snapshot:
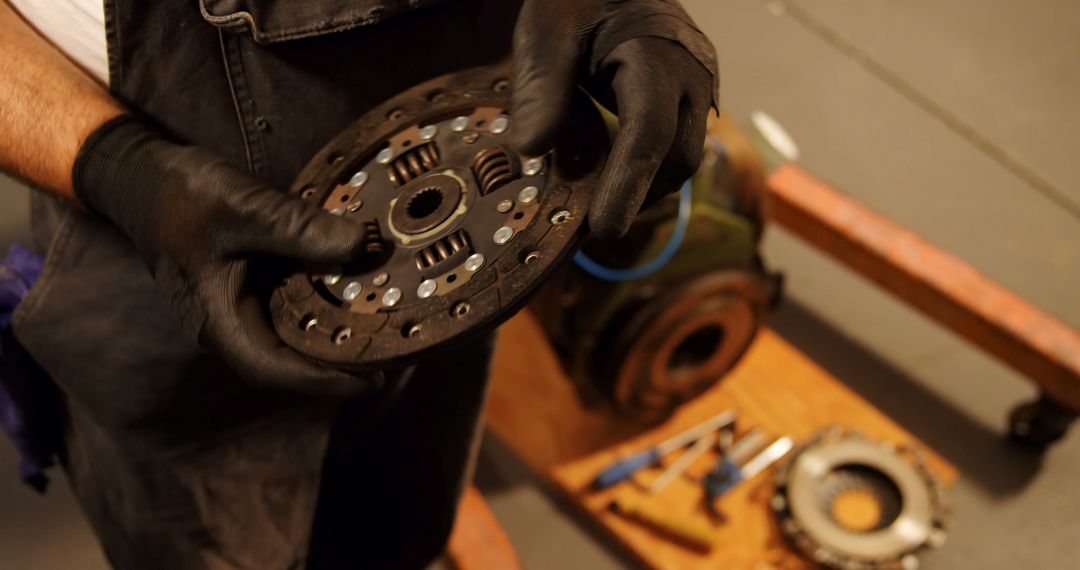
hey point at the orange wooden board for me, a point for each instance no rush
(478, 542)
(534, 410)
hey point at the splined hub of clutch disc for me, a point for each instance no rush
(857, 504)
(462, 229)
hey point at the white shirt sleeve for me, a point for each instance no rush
(76, 27)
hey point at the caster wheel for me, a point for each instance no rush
(1039, 423)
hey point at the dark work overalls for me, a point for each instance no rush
(176, 464)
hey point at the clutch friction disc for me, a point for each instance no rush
(462, 229)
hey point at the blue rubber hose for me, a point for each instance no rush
(686, 203)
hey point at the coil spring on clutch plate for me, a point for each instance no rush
(413, 164)
(374, 237)
(493, 169)
(442, 250)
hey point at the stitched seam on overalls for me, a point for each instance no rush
(236, 102)
(242, 103)
(112, 44)
(243, 19)
(240, 20)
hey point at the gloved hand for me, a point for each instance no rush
(203, 226)
(643, 59)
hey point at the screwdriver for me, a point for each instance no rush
(682, 463)
(624, 468)
(727, 473)
(683, 529)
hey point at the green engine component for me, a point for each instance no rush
(646, 346)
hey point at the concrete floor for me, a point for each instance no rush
(960, 120)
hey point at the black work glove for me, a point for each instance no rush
(203, 226)
(645, 60)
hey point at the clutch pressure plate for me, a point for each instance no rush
(854, 503)
(462, 229)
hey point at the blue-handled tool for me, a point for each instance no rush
(623, 469)
(730, 471)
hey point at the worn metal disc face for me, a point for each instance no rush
(853, 503)
(681, 343)
(462, 228)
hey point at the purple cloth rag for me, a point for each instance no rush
(29, 401)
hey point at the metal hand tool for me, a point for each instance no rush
(727, 474)
(624, 468)
(682, 463)
(683, 529)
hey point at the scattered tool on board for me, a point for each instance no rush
(740, 459)
(734, 468)
(679, 466)
(681, 529)
(625, 468)
(843, 500)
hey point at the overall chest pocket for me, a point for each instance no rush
(271, 21)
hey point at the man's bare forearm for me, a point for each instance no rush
(48, 107)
